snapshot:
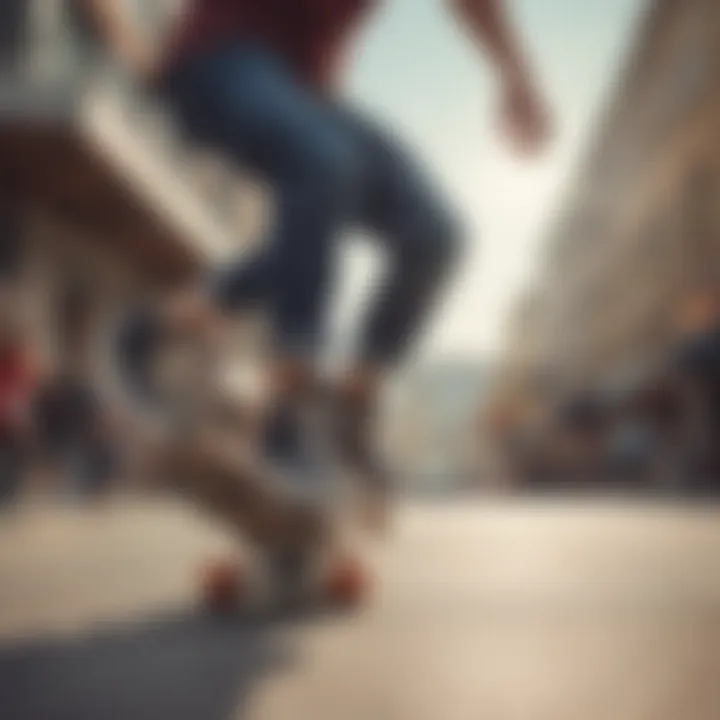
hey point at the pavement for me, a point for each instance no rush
(500, 610)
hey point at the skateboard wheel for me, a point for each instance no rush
(222, 585)
(346, 582)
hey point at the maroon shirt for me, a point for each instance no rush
(310, 34)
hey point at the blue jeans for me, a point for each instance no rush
(330, 169)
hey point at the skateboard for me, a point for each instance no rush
(298, 554)
(294, 540)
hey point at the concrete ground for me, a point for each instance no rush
(501, 611)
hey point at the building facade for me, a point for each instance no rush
(639, 236)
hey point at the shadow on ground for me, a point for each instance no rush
(184, 667)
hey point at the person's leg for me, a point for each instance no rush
(416, 227)
(246, 104)
(243, 102)
(420, 232)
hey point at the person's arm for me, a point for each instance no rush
(122, 37)
(488, 21)
(525, 115)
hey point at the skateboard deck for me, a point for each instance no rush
(236, 489)
(178, 426)
(298, 554)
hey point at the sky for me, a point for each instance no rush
(418, 72)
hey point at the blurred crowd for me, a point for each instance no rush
(659, 433)
(55, 434)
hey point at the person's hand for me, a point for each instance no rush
(525, 117)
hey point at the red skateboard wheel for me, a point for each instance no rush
(222, 585)
(346, 582)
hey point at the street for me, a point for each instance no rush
(501, 610)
